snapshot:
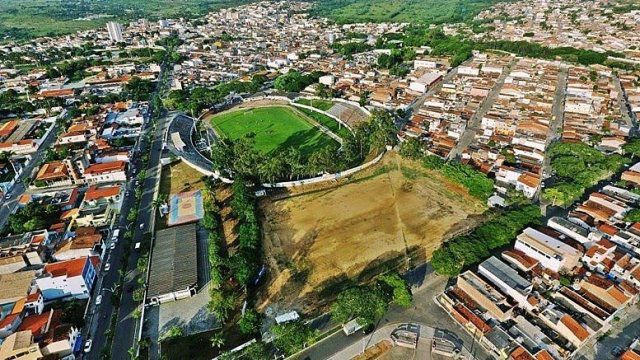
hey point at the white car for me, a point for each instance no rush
(113, 245)
(107, 267)
(141, 226)
(87, 345)
(98, 299)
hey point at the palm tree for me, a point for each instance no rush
(217, 339)
(6, 155)
(159, 201)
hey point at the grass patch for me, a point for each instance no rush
(273, 128)
(323, 105)
(327, 122)
(410, 173)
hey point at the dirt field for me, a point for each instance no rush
(177, 177)
(395, 214)
(180, 177)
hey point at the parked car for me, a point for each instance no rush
(107, 267)
(87, 346)
(99, 299)
(113, 245)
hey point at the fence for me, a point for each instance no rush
(287, 184)
(328, 177)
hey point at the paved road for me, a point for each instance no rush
(621, 335)
(426, 333)
(424, 311)
(469, 133)
(126, 324)
(9, 205)
(99, 316)
(622, 102)
(557, 117)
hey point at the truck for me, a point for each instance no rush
(351, 327)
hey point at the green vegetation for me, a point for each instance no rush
(473, 248)
(460, 49)
(633, 216)
(272, 128)
(534, 50)
(294, 81)
(350, 48)
(368, 303)
(578, 166)
(198, 99)
(292, 337)
(328, 122)
(320, 104)
(241, 158)
(414, 11)
(33, 216)
(138, 89)
(473, 180)
(24, 19)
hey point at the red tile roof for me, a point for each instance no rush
(578, 330)
(8, 127)
(105, 167)
(520, 353)
(36, 323)
(70, 268)
(95, 193)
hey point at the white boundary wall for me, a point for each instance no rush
(328, 177)
(315, 180)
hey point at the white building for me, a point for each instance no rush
(68, 279)
(115, 31)
(552, 253)
(507, 279)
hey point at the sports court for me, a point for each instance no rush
(185, 207)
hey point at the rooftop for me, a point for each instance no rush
(506, 274)
(174, 264)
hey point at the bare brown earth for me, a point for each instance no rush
(390, 216)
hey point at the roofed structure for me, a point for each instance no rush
(174, 266)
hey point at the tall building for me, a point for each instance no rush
(115, 31)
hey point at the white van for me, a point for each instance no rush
(116, 235)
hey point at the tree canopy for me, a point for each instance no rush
(473, 248)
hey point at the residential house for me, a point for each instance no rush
(68, 279)
(551, 252)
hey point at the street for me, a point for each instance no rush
(468, 136)
(424, 311)
(8, 205)
(126, 324)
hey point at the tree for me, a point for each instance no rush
(363, 303)
(217, 339)
(249, 322)
(400, 293)
(321, 91)
(632, 147)
(138, 89)
(292, 337)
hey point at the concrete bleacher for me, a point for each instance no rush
(349, 114)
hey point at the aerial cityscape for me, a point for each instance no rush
(320, 179)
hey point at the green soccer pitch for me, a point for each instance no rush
(274, 127)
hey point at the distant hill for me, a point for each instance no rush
(422, 11)
(24, 19)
